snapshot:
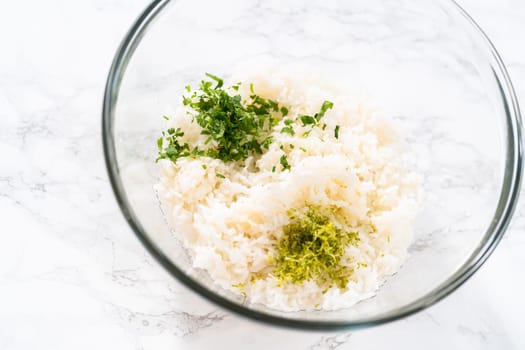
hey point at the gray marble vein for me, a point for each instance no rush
(330, 342)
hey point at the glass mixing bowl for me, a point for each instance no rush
(424, 62)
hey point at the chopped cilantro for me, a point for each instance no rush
(267, 142)
(220, 175)
(325, 107)
(238, 129)
(314, 120)
(288, 130)
(219, 81)
(336, 131)
(307, 120)
(284, 163)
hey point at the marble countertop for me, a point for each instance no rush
(72, 274)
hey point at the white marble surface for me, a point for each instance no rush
(72, 274)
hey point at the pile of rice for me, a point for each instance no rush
(230, 226)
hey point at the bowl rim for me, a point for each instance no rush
(506, 204)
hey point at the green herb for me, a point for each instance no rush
(238, 129)
(166, 117)
(204, 166)
(314, 120)
(273, 169)
(311, 248)
(284, 163)
(174, 148)
(302, 149)
(336, 131)
(267, 142)
(307, 120)
(220, 175)
(288, 130)
(219, 81)
(325, 107)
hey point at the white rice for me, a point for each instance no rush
(230, 226)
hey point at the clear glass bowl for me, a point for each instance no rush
(425, 62)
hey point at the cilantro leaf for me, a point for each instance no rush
(325, 107)
(288, 130)
(284, 163)
(307, 120)
(219, 81)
